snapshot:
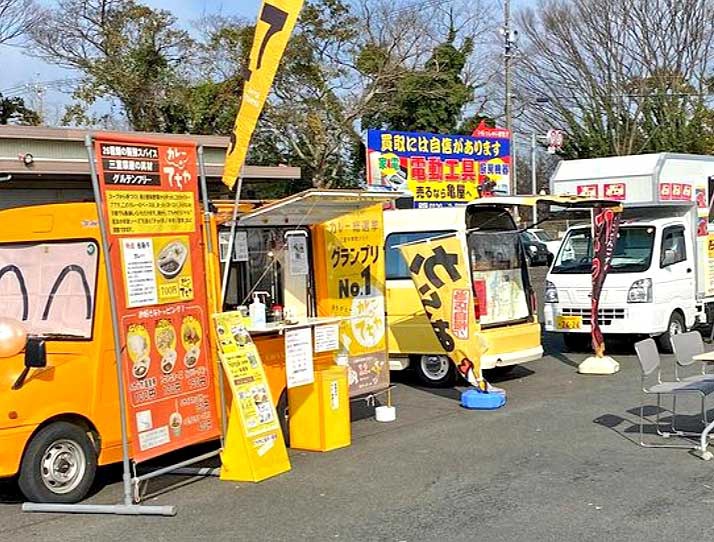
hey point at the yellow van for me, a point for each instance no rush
(507, 311)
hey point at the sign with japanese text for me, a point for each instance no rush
(149, 190)
(588, 190)
(616, 191)
(298, 357)
(440, 273)
(275, 24)
(438, 170)
(676, 192)
(254, 448)
(246, 376)
(351, 285)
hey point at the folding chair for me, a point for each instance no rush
(686, 346)
(648, 357)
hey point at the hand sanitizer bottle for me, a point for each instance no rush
(257, 312)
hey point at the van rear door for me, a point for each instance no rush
(498, 267)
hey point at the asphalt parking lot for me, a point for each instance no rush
(559, 462)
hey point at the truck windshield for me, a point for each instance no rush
(497, 271)
(633, 251)
(50, 287)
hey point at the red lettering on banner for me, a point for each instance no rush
(468, 169)
(460, 301)
(450, 170)
(434, 169)
(417, 166)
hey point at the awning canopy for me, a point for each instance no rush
(313, 207)
(570, 202)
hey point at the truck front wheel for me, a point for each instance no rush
(675, 326)
(59, 465)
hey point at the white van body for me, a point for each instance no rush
(661, 280)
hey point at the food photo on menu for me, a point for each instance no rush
(191, 339)
(139, 347)
(172, 259)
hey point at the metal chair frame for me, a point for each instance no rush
(648, 357)
(685, 347)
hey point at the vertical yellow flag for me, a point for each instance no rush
(275, 24)
(440, 274)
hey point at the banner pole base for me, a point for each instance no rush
(595, 365)
(115, 509)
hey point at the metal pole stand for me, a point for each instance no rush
(116, 509)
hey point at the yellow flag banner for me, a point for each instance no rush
(440, 273)
(275, 24)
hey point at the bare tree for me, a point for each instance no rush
(17, 17)
(617, 75)
(123, 49)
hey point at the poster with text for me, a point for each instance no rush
(246, 376)
(298, 357)
(439, 170)
(149, 189)
(353, 288)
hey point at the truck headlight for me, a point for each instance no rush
(551, 293)
(533, 248)
(640, 291)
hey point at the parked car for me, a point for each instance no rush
(536, 251)
(547, 239)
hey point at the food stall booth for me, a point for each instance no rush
(309, 271)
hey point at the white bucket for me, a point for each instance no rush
(385, 413)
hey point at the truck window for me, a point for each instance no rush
(673, 239)
(50, 287)
(396, 266)
(633, 251)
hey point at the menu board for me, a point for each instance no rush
(246, 376)
(149, 191)
(354, 290)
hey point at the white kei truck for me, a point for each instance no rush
(661, 279)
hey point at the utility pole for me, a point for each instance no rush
(509, 41)
(534, 186)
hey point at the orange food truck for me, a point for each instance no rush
(312, 259)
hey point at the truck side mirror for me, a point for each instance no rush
(35, 353)
(668, 257)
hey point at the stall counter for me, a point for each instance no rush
(270, 342)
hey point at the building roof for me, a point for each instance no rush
(59, 154)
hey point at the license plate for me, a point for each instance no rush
(569, 322)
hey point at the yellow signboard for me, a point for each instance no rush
(441, 276)
(133, 212)
(275, 24)
(255, 448)
(353, 288)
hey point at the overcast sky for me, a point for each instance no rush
(20, 73)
